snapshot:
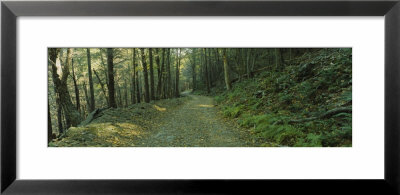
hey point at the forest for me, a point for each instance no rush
(199, 97)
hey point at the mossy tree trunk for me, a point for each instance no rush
(169, 79)
(206, 71)
(178, 63)
(151, 74)
(226, 71)
(49, 127)
(146, 77)
(133, 85)
(194, 69)
(110, 65)
(78, 103)
(72, 116)
(92, 100)
(160, 64)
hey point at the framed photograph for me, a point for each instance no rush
(200, 97)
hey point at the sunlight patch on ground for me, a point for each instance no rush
(160, 108)
(205, 105)
(102, 134)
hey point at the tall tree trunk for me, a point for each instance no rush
(194, 69)
(110, 65)
(160, 72)
(59, 116)
(133, 98)
(135, 76)
(126, 93)
(86, 97)
(105, 67)
(206, 71)
(92, 101)
(146, 77)
(78, 103)
(151, 74)
(226, 72)
(119, 96)
(49, 127)
(169, 85)
(71, 114)
(137, 87)
(178, 58)
(209, 68)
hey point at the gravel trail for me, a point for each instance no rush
(197, 123)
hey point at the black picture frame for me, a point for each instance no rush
(10, 10)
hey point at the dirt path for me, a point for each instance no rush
(196, 124)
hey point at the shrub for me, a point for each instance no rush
(232, 111)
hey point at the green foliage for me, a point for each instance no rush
(313, 84)
(233, 111)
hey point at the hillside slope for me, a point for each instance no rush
(307, 103)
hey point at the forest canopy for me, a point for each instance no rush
(200, 97)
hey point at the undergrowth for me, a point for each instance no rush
(307, 86)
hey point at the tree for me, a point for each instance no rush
(226, 71)
(72, 116)
(169, 80)
(133, 85)
(193, 63)
(151, 74)
(178, 59)
(146, 79)
(102, 87)
(161, 72)
(110, 65)
(136, 76)
(86, 96)
(49, 127)
(89, 61)
(78, 104)
(206, 71)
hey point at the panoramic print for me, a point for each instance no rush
(199, 97)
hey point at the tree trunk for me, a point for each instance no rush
(136, 76)
(226, 72)
(78, 103)
(209, 69)
(102, 87)
(194, 70)
(137, 87)
(151, 74)
(206, 71)
(146, 77)
(71, 114)
(119, 96)
(49, 127)
(168, 91)
(92, 101)
(325, 115)
(59, 116)
(110, 65)
(161, 73)
(86, 97)
(133, 98)
(126, 93)
(178, 58)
